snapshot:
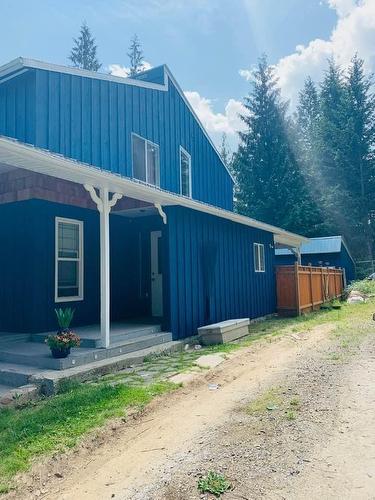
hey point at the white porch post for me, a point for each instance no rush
(104, 205)
(104, 270)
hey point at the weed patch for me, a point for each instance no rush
(214, 483)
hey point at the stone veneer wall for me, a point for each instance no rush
(20, 185)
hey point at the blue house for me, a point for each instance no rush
(114, 201)
(328, 251)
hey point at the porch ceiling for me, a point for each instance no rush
(16, 154)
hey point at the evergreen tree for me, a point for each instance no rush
(136, 56)
(360, 175)
(306, 130)
(225, 152)
(84, 53)
(345, 140)
(307, 119)
(270, 184)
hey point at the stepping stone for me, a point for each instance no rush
(209, 360)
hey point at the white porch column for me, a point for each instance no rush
(104, 270)
(104, 205)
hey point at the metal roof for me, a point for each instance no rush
(325, 244)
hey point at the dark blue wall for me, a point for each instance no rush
(27, 256)
(92, 121)
(211, 271)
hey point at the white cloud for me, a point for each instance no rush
(342, 7)
(123, 71)
(353, 32)
(217, 123)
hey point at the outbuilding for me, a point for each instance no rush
(327, 251)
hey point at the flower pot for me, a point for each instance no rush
(60, 353)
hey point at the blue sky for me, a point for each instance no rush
(204, 42)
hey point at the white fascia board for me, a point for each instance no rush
(21, 62)
(20, 155)
(185, 99)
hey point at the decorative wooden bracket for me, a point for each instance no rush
(162, 214)
(109, 203)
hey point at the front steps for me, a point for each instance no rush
(45, 381)
(37, 354)
(118, 337)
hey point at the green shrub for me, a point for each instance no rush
(364, 286)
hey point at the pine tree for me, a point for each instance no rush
(306, 129)
(225, 152)
(361, 170)
(136, 56)
(84, 53)
(270, 184)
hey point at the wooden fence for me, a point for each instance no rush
(302, 289)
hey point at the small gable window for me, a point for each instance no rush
(145, 160)
(259, 264)
(185, 169)
(69, 260)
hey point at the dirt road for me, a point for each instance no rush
(291, 418)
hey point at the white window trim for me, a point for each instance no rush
(153, 144)
(79, 223)
(257, 261)
(183, 150)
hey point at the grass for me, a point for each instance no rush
(268, 401)
(57, 423)
(214, 483)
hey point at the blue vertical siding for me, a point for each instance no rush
(235, 291)
(27, 254)
(92, 121)
(17, 108)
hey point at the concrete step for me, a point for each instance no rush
(10, 338)
(117, 337)
(4, 389)
(15, 375)
(38, 355)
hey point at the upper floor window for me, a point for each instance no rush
(69, 260)
(259, 264)
(185, 168)
(145, 160)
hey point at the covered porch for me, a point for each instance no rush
(114, 280)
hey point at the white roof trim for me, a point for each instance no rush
(20, 155)
(21, 62)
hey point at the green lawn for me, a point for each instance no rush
(57, 423)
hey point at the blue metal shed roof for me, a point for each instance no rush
(326, 244)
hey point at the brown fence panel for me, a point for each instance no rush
(302, 289)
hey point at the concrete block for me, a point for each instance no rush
(225, 331)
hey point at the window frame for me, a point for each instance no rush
(80, 260)
(258, 267)
(146, 141)
(183, 150)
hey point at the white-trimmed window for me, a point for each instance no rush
(146, 163)
(185, 172)
(259, 264)
(69, 260)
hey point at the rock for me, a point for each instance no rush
(356, 297)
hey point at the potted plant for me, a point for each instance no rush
(61, 343)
